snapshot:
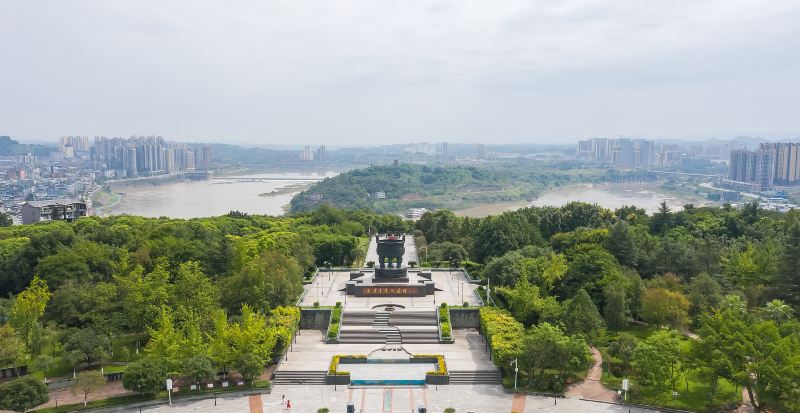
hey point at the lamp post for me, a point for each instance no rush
(488, 290)
(516, 371)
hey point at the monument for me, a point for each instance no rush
(389, 278)
(390, 259)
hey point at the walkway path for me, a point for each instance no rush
(373, 399)
(256, 405)
(592, 388)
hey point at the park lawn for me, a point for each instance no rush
(114, 369)
(695, 399)
(639, 331)
(127, 341)
(61, 368)
(522, 381)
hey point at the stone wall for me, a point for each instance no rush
(464, 318)
(315, 318)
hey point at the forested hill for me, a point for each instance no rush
(9, 146)
(445, 186)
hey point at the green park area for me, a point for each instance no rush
(694, 307)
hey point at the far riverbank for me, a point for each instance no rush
(612, 196)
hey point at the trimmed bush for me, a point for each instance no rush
(446, 331)
(505, 334)
(333, 331)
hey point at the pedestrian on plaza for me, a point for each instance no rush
(289, 404)
(283, 400)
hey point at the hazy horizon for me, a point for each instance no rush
(373, 73)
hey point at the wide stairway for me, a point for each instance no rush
(389, 327)
(299, 377)
(475, 377)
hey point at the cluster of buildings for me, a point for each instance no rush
(147, 156)
(623, 152)
(646, 153)
(27, 178)
(36, 188)
(309, 155)
(772, 164)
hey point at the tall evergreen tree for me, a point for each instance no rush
(582, 317)
(620, 243)
(661, 220)
(788, 279)
(615, 309)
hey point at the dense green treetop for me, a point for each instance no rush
(441, 186)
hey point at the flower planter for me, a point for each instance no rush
(337, 378)
(437, 379)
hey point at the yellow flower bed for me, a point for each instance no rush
(334, 366)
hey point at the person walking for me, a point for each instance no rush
(288, 404)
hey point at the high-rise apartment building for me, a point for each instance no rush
(78, 143)
(756, 167)
(307, 155)
(771, 164)
(206, 157)
(320, 155)
(622, 152)
(481, 151)
(786, 157)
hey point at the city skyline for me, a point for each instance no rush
(361, 73)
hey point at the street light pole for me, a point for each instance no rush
(516, 372)
(488, 290)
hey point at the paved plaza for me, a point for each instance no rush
(468, 352)
(327, 288)
(464, 398)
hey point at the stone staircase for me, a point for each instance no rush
(381, 319)
(299, 377)
(389, 327)
(475, 377)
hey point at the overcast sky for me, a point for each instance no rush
(356, 72)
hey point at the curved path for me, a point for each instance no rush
(592, 388)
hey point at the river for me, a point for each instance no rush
(608, 196)
(192, 199)
(612, 197)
